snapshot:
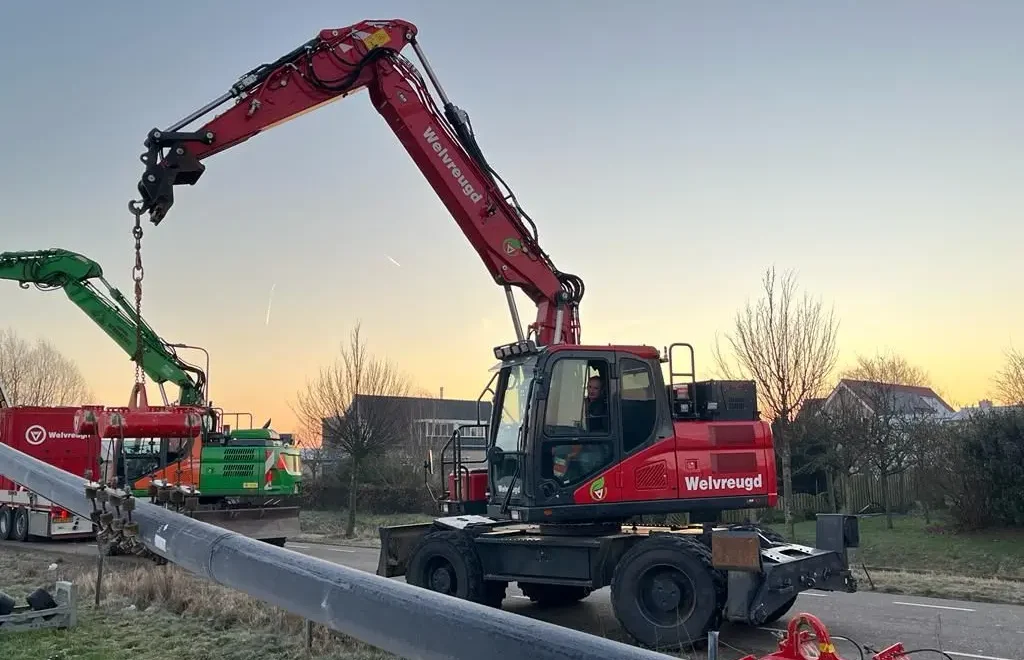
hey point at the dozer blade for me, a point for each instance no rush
(266, 524)
(396, 544)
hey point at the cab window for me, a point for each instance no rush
(639, 405)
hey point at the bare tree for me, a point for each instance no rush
(352, 406)
(1010, 379)
(786, 344)
(39, 374)
(895, 437)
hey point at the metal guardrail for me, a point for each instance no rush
(408, 621)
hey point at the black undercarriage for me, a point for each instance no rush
(669, 585)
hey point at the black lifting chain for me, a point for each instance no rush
(137, 274)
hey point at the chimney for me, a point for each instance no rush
(442, 392)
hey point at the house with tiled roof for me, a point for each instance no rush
(889, 399)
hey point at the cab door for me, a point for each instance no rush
(648, 453)
(577, 428)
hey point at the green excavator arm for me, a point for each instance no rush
(62, 269)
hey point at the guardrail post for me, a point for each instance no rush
(99, 572)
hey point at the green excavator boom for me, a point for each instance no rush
(111, 311)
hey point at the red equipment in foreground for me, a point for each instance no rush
(816, 644)
(582, 438)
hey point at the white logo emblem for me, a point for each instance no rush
(35, 435)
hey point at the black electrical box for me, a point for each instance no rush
(725, 400)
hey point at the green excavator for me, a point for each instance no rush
(248, 478)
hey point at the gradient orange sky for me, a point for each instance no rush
(669, 152)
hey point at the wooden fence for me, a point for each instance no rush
(861, 491)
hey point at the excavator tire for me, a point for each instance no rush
(446, 561)
(553, 595)
(666, 593)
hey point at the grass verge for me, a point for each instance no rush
(934, 547)
(932, 559)
(329, 526)
(154, 612)
(938, 585)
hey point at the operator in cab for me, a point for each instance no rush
(575, 462)
(597, 406)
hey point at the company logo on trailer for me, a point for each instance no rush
(35, 435)
(442, 152)
(724, 483)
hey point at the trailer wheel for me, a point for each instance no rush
(20, 526)
(446, 561)
(6, 519)
(553, 595)
(666, 593)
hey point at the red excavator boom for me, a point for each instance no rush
(335, 64)
(582, 439)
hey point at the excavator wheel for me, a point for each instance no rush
(446, 561)
(665, 592)
(553, 595)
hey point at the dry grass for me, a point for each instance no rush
(941, 585)
(330, 526)
(164, 609)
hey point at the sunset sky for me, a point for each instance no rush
(668, 151)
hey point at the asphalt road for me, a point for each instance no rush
(964, 630)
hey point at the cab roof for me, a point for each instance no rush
(639, 350)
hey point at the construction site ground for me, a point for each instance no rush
(964, 629)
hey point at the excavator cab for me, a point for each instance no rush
(563, 418)
(594, 434)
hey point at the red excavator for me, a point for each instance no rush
(583, 439)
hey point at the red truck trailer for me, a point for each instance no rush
(47, 434)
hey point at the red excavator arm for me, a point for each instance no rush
(333, 65)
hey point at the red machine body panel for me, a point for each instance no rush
(703, 460)
(49, 435)
(474, 485)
